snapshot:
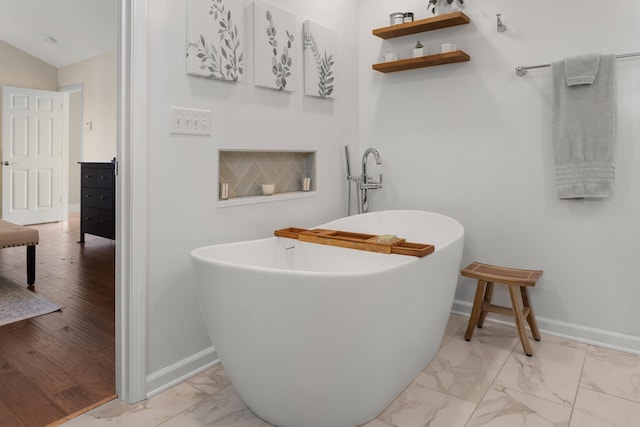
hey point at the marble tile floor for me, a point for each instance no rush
(485, 382)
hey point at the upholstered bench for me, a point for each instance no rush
(12, 235)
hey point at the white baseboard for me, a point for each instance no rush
(584, 334)
(74, 208)
(182, 370)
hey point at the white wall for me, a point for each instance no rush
(18, 68)
(183, 175)
(98, 78)
(472, 141)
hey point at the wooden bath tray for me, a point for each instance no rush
(363, 242)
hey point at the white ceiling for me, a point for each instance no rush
(83, 28)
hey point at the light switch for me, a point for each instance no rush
(190, 121)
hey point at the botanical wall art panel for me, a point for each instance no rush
(275, 47)
(214, 47)
(319, 60)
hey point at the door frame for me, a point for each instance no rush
(131, 201)
(66, 151)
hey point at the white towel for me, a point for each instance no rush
(584, 127)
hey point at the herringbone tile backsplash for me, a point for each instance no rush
(246, 171)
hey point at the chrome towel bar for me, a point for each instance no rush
(521, 70)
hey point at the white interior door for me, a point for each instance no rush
(31, 155)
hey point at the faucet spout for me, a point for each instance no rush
(366, 183)
(365, 157)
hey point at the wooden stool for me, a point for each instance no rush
(516, 279)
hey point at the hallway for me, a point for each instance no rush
(55, 365)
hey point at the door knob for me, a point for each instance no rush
(7, 163)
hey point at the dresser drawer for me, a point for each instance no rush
(97, 177)
(98, 221)
(97, 197)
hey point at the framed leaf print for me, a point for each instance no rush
(319, 60)
(275, 47)
(214, 48)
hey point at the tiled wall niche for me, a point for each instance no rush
(246, 171)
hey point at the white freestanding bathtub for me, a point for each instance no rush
(321, 336)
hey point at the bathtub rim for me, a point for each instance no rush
(403, 260)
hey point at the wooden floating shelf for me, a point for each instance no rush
(428, 24)
(359, 241)
(422, 61)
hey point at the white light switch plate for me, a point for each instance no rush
(189, 121)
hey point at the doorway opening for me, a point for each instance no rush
(62, 362)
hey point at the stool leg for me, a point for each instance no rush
(530, 318)
(488, 294)
(475, 311)
(519, 318)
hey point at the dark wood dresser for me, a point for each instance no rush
(98, 200)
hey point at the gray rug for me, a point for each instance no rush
(19, 303)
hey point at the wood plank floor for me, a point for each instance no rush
(55, 365)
